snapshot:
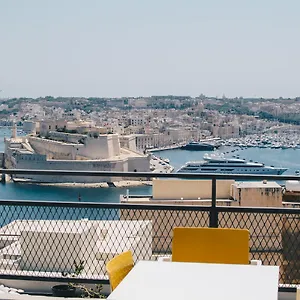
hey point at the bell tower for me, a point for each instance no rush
(14, 131)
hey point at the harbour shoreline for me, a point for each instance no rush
(117, 184)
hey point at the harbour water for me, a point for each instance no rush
(288, 158)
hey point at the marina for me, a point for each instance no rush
(288, 158)
(290, 140)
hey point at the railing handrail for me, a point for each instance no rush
(152, 206)
(147, 174)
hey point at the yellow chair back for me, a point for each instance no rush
(210, 245)
(119, 267)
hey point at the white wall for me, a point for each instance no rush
(115, 144)
(80, 165)
(55, 149)
(140, 164)
(96, 148)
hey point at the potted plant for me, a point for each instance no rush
(72, 289)
(68, 290)
(63, 290)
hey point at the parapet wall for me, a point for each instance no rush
(54, 149)
(174, 189)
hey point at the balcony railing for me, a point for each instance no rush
(40, 240)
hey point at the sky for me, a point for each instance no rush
(131, 48)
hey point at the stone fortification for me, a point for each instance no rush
(82, 153)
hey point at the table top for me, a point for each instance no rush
(173, 280)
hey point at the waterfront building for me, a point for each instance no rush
(198, 192)
(65, 151)
(178, 135)
(257, 194)
(147, 141)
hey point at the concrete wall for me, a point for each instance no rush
(54, 245)
(51, 247)
(257, 195)
(189, 189)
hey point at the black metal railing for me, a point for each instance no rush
(40, 240)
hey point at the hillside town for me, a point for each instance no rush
(157, 121)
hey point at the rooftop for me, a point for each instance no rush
(257, 184)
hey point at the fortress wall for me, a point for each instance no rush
(81, 165)
(66, 137)
(54, 149)
(138, 164)
(96, 148)
(115, 144)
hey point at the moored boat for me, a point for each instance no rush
(224, 165)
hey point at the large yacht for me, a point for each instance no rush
(229, 166)
(198, 146)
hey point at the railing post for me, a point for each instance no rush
(213, 217)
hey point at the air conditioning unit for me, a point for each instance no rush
(292, 185)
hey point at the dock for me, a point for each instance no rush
(171, 147)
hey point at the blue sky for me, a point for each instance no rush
(113, 48)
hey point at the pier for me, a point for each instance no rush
(171, 147)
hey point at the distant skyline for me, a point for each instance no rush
(117, 48)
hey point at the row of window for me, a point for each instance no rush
(222, 170)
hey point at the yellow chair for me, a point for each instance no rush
(210, 245)
(118, 268)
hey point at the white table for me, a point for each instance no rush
(171, 280)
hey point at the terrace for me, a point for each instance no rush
(39, 240)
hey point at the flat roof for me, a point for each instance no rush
(257, 184)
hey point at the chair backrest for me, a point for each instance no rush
(119, 267)
(210, 245)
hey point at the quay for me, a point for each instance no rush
(171, 147)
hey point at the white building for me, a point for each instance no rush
(54, 245)
(147, 141)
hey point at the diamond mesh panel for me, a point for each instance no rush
(47, 241)
(274, 239)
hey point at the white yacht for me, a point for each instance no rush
(224, 165)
